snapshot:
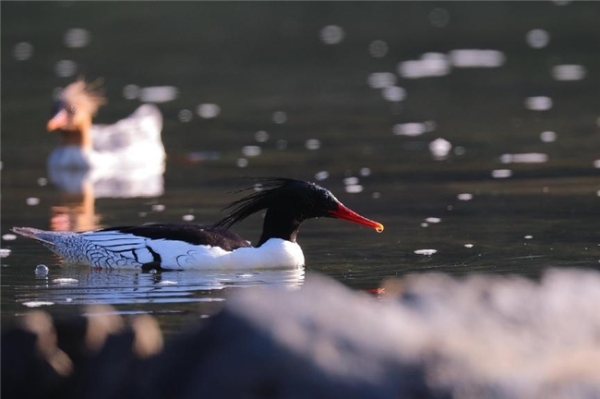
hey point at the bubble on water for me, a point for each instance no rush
(168, 282)
(439, 17)
(433, 220)
(548, 136)
(4, 252)
(142, 214)
(440, 148)
(185, 115)
(65, 68)
(354, 188)
(242, 163)
(465, 197)
(426, 252)
(528, 237)
(475, 58)
(597, 164)
(380, 80)
(158, 94)
(538, 103)
(42, 181)
(537, 38)
(322, 175)
(9, 237)
(32, 201)
(568, 72)
(261, 136)
(501, 173)
(532, 157)
(351, 180)
(430, 65)
(158, 207)
(423, 224)
(280, 117)
(23, 51)
(65, 280)
(41, 270)
(376, 195)
(153, 271)
(77, 38)
(313, 144)
(332, 34)
(365, 171)
(378, 48)
(393, 93)
(412, 129)
(131, 92)
(188, 217)
(251, 151)
(37, 304)
(468, 245)
(208, 110)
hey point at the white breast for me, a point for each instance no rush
(272, 254)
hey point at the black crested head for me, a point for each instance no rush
(288, 203)
(296, 199)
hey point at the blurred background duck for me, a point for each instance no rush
(131, 143)
(122, 160)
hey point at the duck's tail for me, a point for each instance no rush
(36, 234)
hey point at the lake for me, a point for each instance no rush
(470, 130)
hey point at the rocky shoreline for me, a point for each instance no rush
(426, 336)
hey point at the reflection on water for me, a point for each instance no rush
(79, 285)
(76, 211)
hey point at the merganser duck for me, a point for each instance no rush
(133, 142)
(287, 202)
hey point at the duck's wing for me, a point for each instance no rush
(189, 233)
(142, 128)
(168, 246)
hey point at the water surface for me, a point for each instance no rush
(351, 95)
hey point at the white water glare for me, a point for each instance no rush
(332, 34)
(537, 38)
(429, 65)
(77, 38)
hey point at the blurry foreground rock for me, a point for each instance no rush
(431, 336)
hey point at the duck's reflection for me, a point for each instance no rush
(83, 285)
(80, 189)
(76, 211)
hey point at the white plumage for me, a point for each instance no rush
(114, 249)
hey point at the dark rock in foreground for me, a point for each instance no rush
(431, 336)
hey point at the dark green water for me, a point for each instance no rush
(256, 60)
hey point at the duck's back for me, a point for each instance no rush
(142, 127)
(131, 143)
